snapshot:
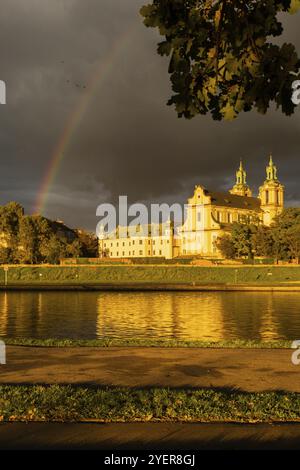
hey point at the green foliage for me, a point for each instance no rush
(10, 216)
(222, 60)
(34, 239)
(89, 244)
(281, 240)
(286, 234)
(28, 239)
(242, 236)
(262, 241)
(226, 246)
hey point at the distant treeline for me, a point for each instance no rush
(280, 241)
(34, 239)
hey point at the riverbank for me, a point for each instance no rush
(151, 277)
(147, 343)
(143, 287)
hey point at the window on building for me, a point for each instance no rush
(141, 242)
(161, 242)
(154, 252)
(267, 197)
(149, 252)
(133, 253)
(117, 253)
(141, 252)
(123, 253)
(199, 216)
(160, 252)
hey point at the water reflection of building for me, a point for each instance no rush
(3, 313)
(251, 315)
(160, 315)
(182, 315)
(269, 326)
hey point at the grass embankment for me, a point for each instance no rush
(66, 403)
(152, 343)
(150, 274)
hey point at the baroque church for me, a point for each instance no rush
(209, 215)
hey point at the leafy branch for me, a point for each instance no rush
(222, 61)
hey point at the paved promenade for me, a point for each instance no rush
(244, 369)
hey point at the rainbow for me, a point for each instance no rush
(97, 79)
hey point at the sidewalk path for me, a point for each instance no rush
(245, 369)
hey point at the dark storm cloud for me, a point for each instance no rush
(128, 141)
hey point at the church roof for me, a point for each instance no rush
(233, 200)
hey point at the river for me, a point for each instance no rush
(181, 315)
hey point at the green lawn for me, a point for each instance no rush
(164, 274)
(67, 403)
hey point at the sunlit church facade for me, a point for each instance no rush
(209, 215)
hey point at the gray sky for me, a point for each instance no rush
(127, 141)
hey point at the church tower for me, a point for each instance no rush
(241, 188)
(271, 194)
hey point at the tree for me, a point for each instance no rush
(89, 244)
(74, 249)
(226, 246)
(10, 217)
(34, 239)
(53, 250)
(6, 255)
(242, 236)
(222, 60)
(262, 241)
(28, 252)
(285, 233)
(293, 240)
(281, 240)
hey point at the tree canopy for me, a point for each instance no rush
(33, 239)
(222, 58)
(281, 241)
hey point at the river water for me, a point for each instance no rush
(181, 315)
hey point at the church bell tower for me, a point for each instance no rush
(241, 188)
(271, 194)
